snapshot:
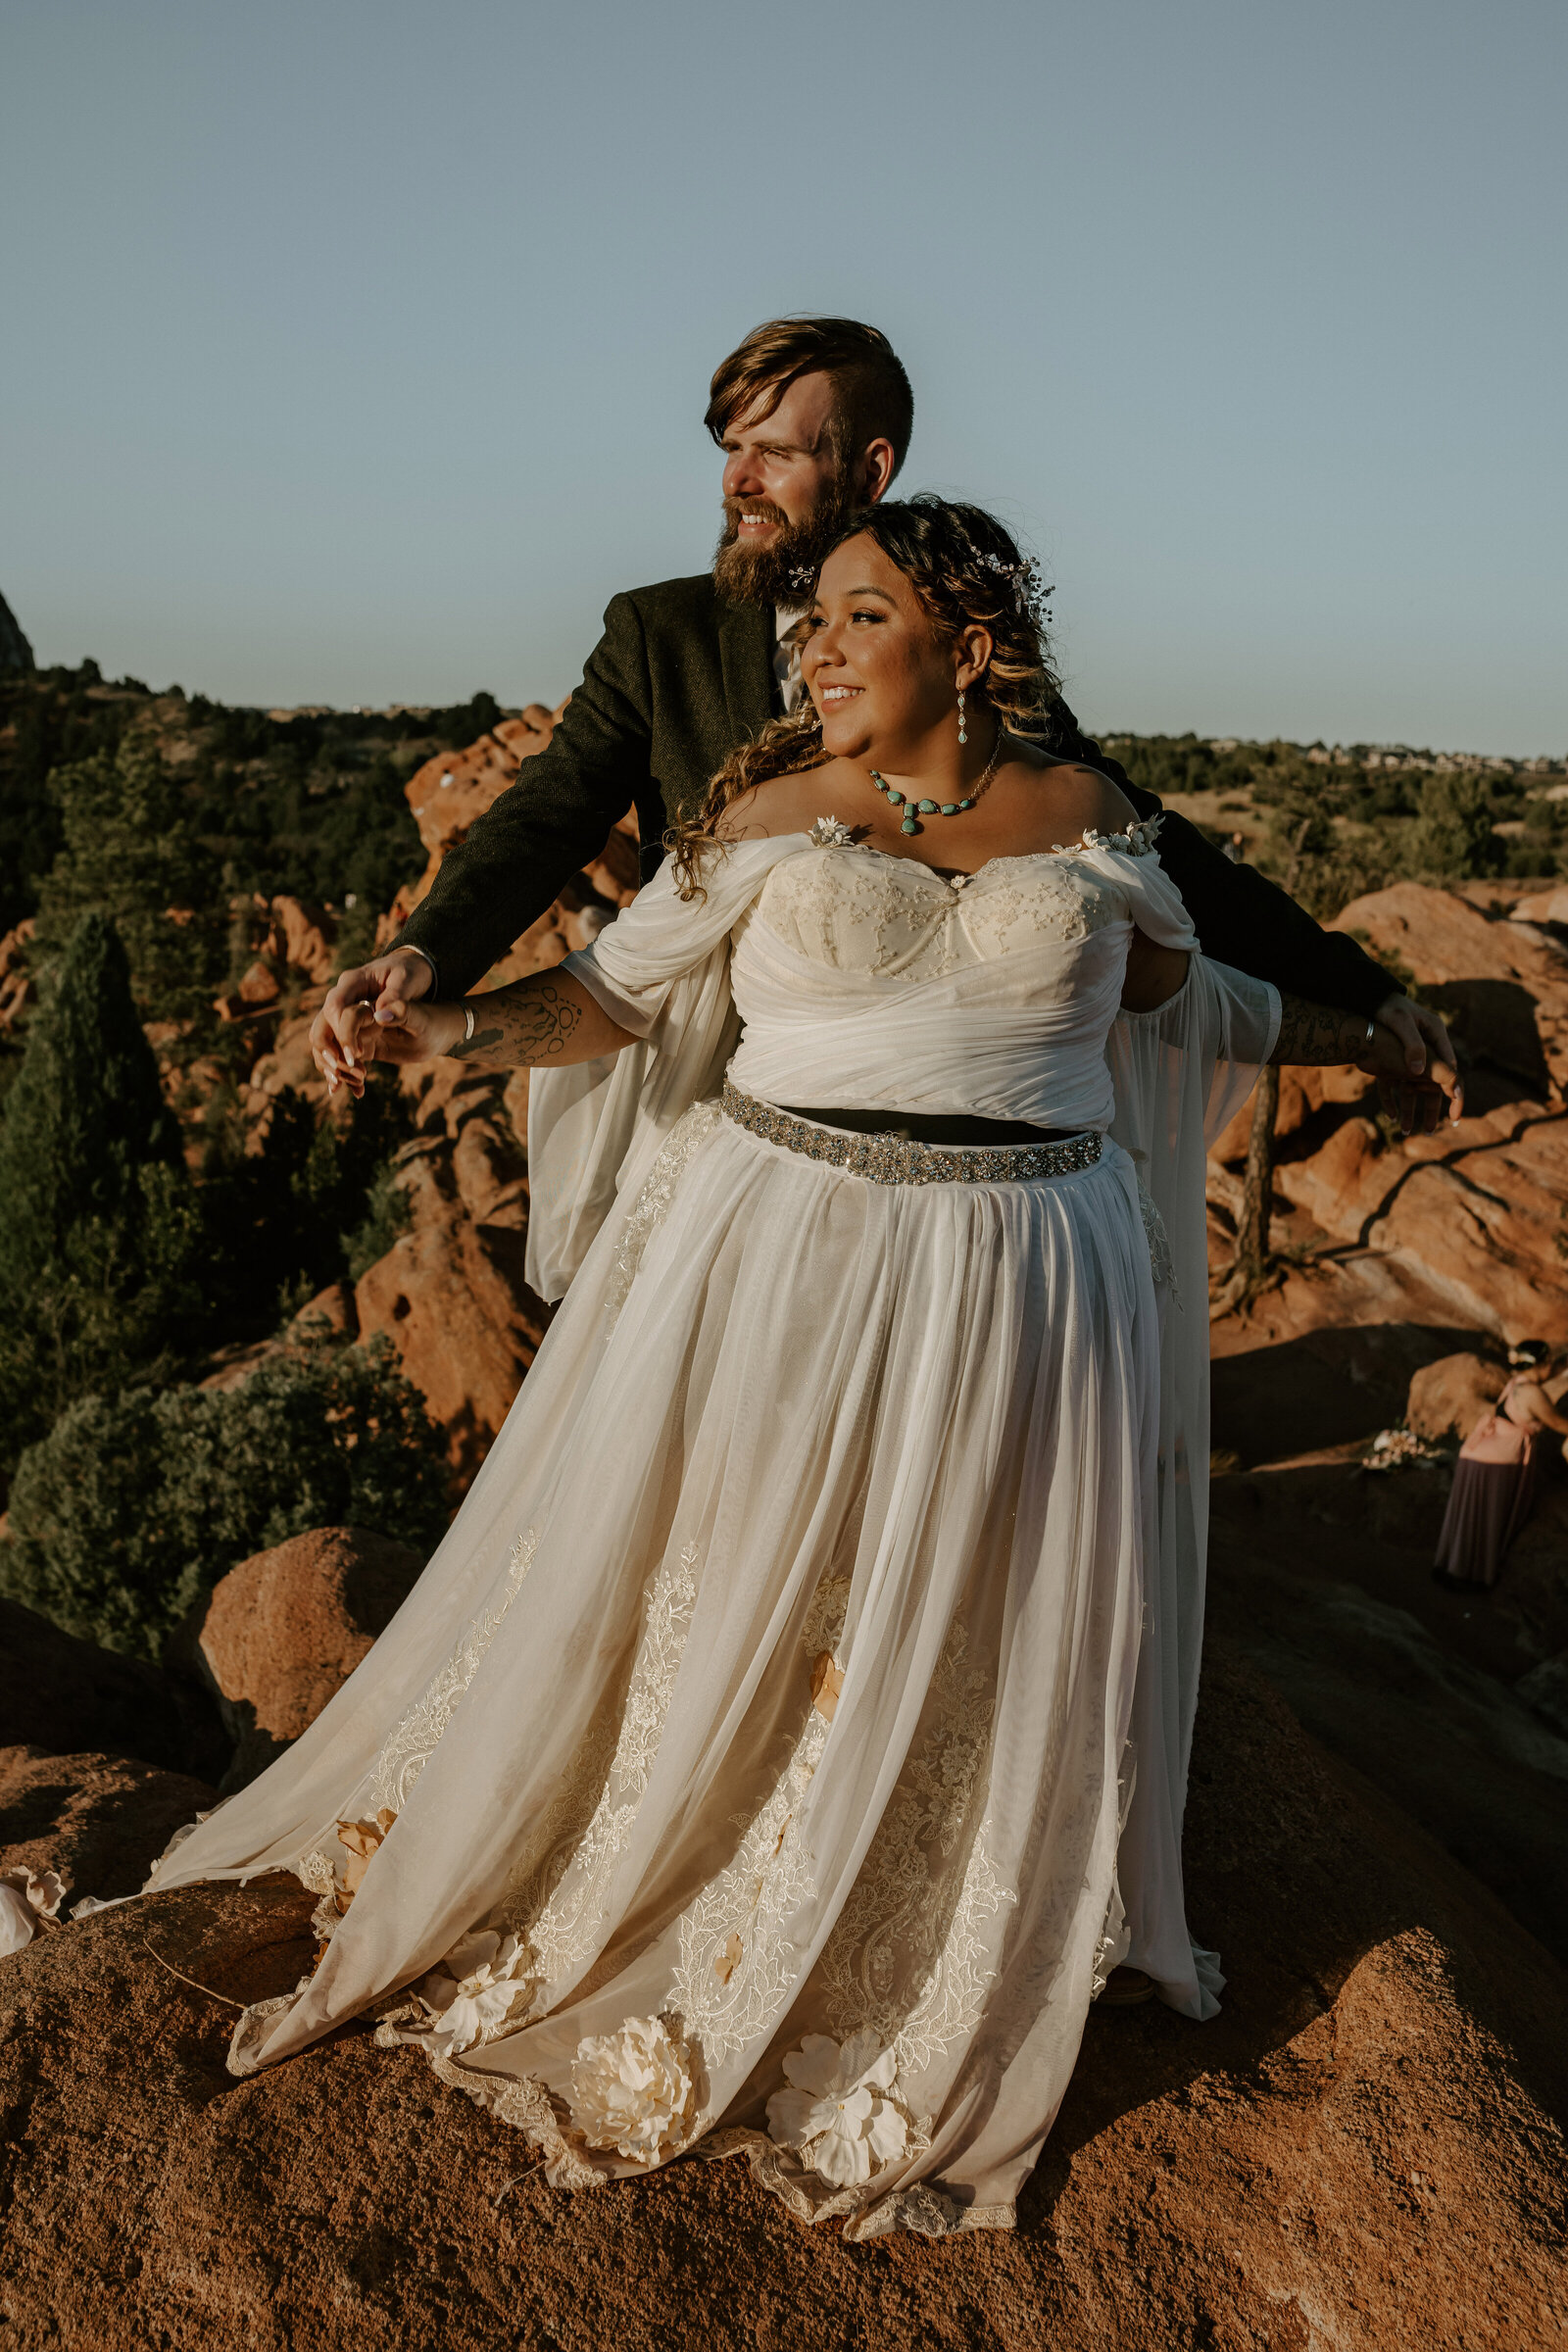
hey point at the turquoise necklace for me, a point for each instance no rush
(913, 808)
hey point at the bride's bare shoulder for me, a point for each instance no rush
(790, 803)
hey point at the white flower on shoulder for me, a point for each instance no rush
(839, 2114)
(829, 834)
(27, 1896)
(633, 2091)
(475, 1988)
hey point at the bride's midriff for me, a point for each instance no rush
(930, 1127)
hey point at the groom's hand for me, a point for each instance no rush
(1413, 1062)
(380, 992)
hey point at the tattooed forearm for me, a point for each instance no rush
(540, 1019)
(1318, 1032)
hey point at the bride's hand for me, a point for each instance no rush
(420, 1033)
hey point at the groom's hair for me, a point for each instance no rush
(872, 399)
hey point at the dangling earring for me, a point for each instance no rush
(962, 736)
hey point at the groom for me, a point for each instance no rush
(813, 417)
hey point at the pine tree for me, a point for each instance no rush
(99, 1230)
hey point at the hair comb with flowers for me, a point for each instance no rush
(1028, 595)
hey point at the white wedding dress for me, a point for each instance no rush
(748, 1769)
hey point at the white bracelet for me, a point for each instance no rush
(468, 1025)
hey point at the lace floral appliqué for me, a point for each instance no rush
(908, 1958)
(657, 1197)
(565, 1929)
(418, 1736)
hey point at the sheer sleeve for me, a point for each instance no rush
(1180, 1073)
(660, 971)
(1154, 902)
(643, 966)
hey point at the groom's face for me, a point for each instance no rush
(785, 494)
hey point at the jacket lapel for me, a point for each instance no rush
(746, 659)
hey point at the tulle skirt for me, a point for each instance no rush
(744, 1774)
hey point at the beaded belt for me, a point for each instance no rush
(897, 1159)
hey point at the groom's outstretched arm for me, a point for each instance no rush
(551, 822)
(1240, 917)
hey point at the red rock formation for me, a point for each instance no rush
(280, 1634)
(1358, 2154)
(1503, 991)
(295, 947)
(1460, 1228)
(97, 1819)
(452, 791)
(450, 1294)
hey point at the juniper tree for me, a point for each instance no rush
(130, 850)
(99, 1231)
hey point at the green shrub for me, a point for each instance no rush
(129, 852)
(135, 1504)
(315, 1203)
(101, 1247)
(1451, 838)
(388, 1212)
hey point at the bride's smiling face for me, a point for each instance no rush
(881, 676)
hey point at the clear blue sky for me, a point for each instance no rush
(356, 349)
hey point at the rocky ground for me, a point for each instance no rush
(1358, 2154)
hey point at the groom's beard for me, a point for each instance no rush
(783, 574)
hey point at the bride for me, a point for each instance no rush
(791, 1732)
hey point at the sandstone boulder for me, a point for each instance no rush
(100, 1820)
(1504, 994)
(280, 1634)
(1464, 1227)
(62, 1693)
(1321, 1387)
(1358, 2154)
(1541, 906)
(1450, 1396)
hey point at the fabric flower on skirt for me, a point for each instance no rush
(633, 2091)
(27, 1898)
(475, 1988)
(838, 2114)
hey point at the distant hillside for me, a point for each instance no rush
(1339, 822)
(307, 803)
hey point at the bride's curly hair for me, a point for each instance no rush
(966, 570)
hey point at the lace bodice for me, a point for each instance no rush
(868, 979)
(861, 911)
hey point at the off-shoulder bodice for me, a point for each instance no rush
(871, 980)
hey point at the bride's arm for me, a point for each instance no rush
(1310, 1033)
(1153, 974)
(548, 1018)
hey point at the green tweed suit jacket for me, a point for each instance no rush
(679, 677)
